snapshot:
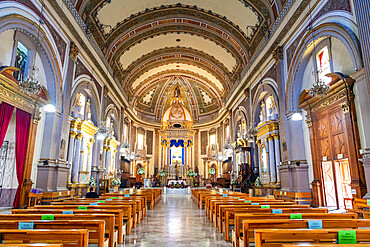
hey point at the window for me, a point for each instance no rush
(81, 105)
(264, 163)
(140, 141)
(125, 133)
(20, 62)
(323, 65)
(212, 141)
(228, 131)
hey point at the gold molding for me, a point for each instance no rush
(72, 134)
(267, 127)
(79, 136)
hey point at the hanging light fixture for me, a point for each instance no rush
(319, 88)
(31, 84)
(102, 131)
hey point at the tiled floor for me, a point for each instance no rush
(175, 221)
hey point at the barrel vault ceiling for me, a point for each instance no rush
(200, 45)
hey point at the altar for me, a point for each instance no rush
(174, 181)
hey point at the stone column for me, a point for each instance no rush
(277, 156)
(104, 159)
(76, 160)
(107, 160)
(71, 147)
(258, 143)
(362, 10)
(82, 152)
(271, 151)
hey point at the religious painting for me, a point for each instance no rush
(20, 62)
(264, 163)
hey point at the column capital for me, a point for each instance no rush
(278, 53)
(309, 122)
(79, 136)
(269, 137)
(72, 134)
(36, 119)
(258, 142)
(92, 140)
(275, 136)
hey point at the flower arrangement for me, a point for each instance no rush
(211, 171)
(92, 182)
(162, 173)
(257, 182)
(140, 171)
(115, 181)
(191, 173)
(236, 180)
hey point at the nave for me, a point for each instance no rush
(175, 221)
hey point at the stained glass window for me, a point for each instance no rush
(20, 61)
(323, 64)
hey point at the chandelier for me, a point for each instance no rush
(320, 88)
(31, 84)
(102, 131)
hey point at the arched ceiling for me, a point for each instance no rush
(202, 46)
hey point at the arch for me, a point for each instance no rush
(268, 86)
(111, 110)
(241, 113)
(23, 19)
(298, 62)
(83, 84)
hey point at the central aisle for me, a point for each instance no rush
(175, 221)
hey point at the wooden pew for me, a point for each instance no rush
(31, 245)
(136, 214)
(95, 228)
(48, 197)
(238, 215)
(362, 206)
(296, 197)
(249, 226)
(112, 219)
(107, 218)
(216, 206)
(326, 245)
(69, 238)
(126, 212)
(240, 208)
(278, 237)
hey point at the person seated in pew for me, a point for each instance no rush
(92, 194)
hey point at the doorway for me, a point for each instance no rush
(336, 182)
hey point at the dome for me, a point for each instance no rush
(177, 112)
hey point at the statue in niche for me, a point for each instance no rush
(112, 127)
(263, 112)
(88, 110)
(177, 92)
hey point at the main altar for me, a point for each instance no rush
(177, 138)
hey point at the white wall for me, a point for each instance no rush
(6, 47)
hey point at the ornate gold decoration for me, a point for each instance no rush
(73, 51)
(345, 107)
(72, 134)
(278, 53)
(309, 122)
(275, 136)
(36, 119)
(267, 127)
(92, 140)
(79, 136)
(269, 138)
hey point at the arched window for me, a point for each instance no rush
(21, 60)
(264, 163)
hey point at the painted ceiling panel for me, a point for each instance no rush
(237, 11)
(186, 41)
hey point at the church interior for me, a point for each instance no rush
(184, 123)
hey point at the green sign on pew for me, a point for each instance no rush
(296, 216)
(101, 201)
(347, 237)
(47, 217)
(265, 206)
(114, 197)
(82, 207)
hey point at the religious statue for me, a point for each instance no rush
(177, 92)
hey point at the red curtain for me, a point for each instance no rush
(23, 120)
(6, 112)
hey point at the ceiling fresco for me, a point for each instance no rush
(202, 46)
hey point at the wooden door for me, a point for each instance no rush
(329, 184)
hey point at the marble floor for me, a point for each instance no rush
(175, 221)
